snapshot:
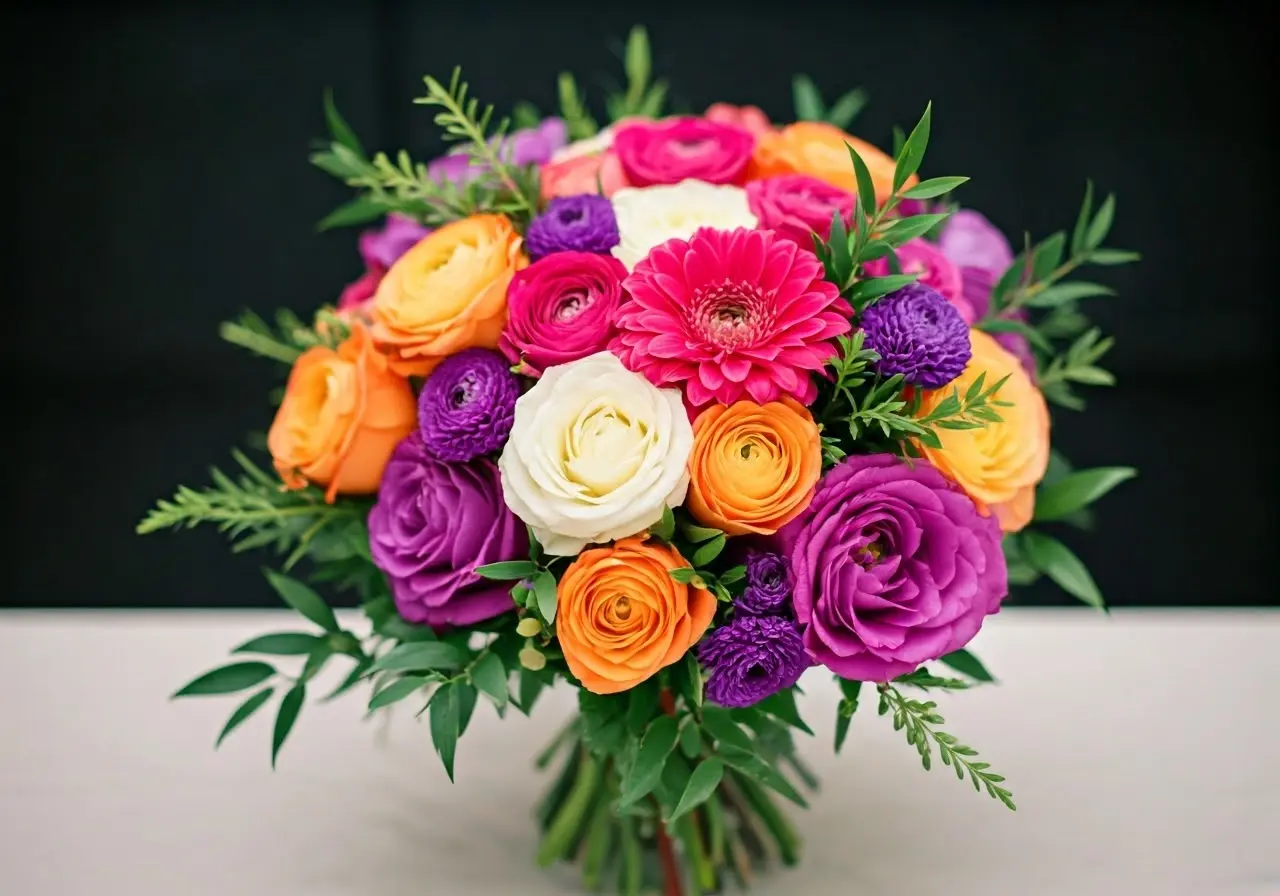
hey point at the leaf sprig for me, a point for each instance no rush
(288, 338)
(642, 97)
(809, 105)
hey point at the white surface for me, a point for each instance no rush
(1143, 751)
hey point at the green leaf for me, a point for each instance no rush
(1082, 219)
(1047, 256)
(1089, 375)
(912, 153)
(966, 663)
(419, 655)
(865, 185)
(242, 712)
(1112, 256)
(708, 551)
(530, 688)
(642, 703)
(733, 574)
(1101, 224)
(357, 674)
(398, 690)
(874, 287)
(338, 127)
(702, 783)
(1068, 292)
(665, 528)
(467, 697)
(782, 706)
(720, 724)
(659, 740)
(286, 715)
(838, 242)
(360, 210)
(908, 228)
(1032, 335)
(490, 677)
(845, 109)
(638, 61)
(750, 764)
(1077, 490)
(507, 570)
(280, 644)
(690, 738)
(934, 186)
(397, 629)
(684, 574)
(444, 725)
(699, 534)
(304, 600)
(1055, 559)
(227, 680)
(544, 587)
(686, 680)
(806, 99)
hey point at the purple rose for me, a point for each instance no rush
(531, 146)
(892, 566)
(380, 248)
(434, 523)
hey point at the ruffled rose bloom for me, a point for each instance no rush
(599, 173)
(754, 466)
(561, 309)
(342, 415)
(676, 149)
(798, 206)
(596, 454)
(447, 293)
(621, 618)
(934, 269)
(999, 464)
(731, 315)
(649, 216)
(750, 118)
(818, 149)
(892, 567)
(379, 250)
(434, 523)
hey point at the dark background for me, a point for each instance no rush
(157, 159)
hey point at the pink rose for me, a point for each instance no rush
(667, 152)
(797, 205)
(594, 173)
(560, 309)
(750, 117)
(919, 256)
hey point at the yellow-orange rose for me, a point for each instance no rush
(818, 149)
(753, 466)
(447, 293)
(999, 464)
(621, 617)
(343, 414)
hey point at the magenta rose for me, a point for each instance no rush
(935, 270)
(667, 152)
(560, 309)
(797, 206)
(892, 566)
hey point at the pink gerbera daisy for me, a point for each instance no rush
(730, 314)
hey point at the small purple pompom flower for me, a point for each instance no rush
(467, 405)
(919, 334)
(751, 658)
(768, 591)
(573, 224)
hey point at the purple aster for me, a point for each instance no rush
(467, 405)
(573, 224)
(768, 590)
(919, 334)
(751, 658)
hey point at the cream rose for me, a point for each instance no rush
(595, 454)
(649, 216)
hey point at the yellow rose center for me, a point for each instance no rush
(603, 449)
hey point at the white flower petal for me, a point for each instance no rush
(649, 216)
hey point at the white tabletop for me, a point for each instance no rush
(1143, 751)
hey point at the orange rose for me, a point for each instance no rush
(818, 149)
(621, 617)
(753, 467)
(343, 414)
(447, 293)
(999, 464)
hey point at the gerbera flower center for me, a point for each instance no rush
(728, 315)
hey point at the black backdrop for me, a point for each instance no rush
(157, 155)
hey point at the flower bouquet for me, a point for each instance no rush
(669, 412)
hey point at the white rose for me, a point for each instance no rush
(595, 454)
(649, 216)
(587, 146)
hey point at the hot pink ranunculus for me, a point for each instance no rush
(797, 206)
(919, 256)
(561, 308)
(750, 117)
(594, 173)
(676, 149)
(730, 315)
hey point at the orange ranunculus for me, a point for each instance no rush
(447, 293)
(754, 466)
(343, 414)
(818, 149)
(999, 464)
(598, 172)
(621, 617)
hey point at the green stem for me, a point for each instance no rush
(1024, 294)
(568, 822)
(783, 833)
